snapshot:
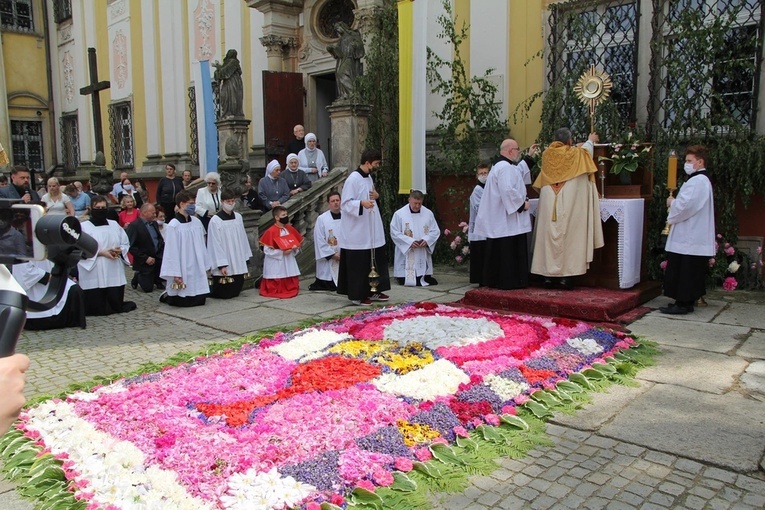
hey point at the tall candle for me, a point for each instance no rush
(672, 170)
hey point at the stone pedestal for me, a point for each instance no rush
(349, 122)
(232, 127)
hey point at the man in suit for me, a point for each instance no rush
(19, 187)
(146, 247)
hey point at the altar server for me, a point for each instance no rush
(281, 242)
(34, 277)
(414, 231)
(228, 248)
(102, 277)
(477, 243)
(691, 239)
(326, 246)
(185, 261)
(363, 235)
(503, 218)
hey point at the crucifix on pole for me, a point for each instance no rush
(93, 90)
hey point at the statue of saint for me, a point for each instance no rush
(348, 52)
(230, 86)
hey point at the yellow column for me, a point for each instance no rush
(137, 34)
(462, 18)
(526, 38)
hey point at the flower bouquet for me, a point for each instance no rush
(734, 268)
(626, 154)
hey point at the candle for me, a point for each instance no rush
(672, 170)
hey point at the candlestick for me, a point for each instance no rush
(602, 166)
(672, 170)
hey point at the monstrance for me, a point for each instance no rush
(593, 87)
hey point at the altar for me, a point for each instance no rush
(618, 264)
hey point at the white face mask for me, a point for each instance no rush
(482, 178)
(227, 207)
(160, 222)
(688, 167)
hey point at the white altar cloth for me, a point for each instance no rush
(628, 213)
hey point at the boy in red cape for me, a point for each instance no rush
(280, 242)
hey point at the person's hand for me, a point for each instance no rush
(12, 378)
(178, 280)
(367, 204)
(224, 271)
(669, 201)
(275, 203)
(26, 198)
(526, 205)
(109, 254)
(150, 261)
(314, 170)
(336, 256)
(374, 195)
(594, 138)
(294, 192)
(533, 149)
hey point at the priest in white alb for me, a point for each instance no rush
(228, 248)
(326, 234)
(414, 231)
(102, 277)
(185, 262)
(503, 219)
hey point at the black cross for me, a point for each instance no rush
(92, 90)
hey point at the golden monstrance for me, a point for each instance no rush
(593, 87)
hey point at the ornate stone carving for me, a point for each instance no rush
(120, 59)
(64, 34)
(274, 44)
(67, 64)
(204, 30)
(331, 13)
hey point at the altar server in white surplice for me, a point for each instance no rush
(228, 248)
(185, 261)
(326, 244)
(414, 231)
(102, 277)
(34, 277)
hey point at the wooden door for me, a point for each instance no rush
(283, 103)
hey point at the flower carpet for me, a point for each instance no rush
(368, 411)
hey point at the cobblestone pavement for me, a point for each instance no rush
(593, 464)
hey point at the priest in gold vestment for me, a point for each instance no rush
(568, 227)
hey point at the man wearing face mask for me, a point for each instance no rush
(477, 243)
(503, 219)
(691, 239)
(296, 179)
(228, 248)
(568, 225)
(185, 261)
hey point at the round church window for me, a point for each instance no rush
(331, 12)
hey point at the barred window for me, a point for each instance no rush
(193, 123)
(16, 15)
(27, 143)
(62, 10)
(121, 123)
(722, 73)
(70, 142)
(601, 33)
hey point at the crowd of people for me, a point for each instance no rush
(194, 246)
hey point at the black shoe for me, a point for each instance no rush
(566, 284)
(549, 284)
(163, 297)
(134, 283)
(674, 309)
(430, 280)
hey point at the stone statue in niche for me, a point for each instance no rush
(348, 52)
(229, 78)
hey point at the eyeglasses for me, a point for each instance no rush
(212, 183)
(514, 149)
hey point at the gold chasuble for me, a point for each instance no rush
(568, 226)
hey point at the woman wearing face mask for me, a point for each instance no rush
(228, 249)
(185, 261)
(477, 242)
(691, 239)
(161, 219)
(311, 160)
(129, 191)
